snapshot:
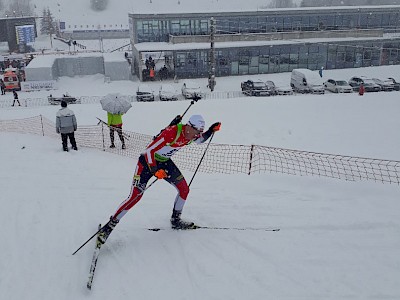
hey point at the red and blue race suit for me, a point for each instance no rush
(157, 156)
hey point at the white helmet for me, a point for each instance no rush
(197, 122)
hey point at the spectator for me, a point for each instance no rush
(361, 90)
(114, 121)
(3, 87)
(66, 125)
(320, 71)
(152, 74)
(15, 98)
(163, 73)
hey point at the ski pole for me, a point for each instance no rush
(198, 166)
(107, 222)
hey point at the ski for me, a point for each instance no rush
(94, 262)
(217, 228)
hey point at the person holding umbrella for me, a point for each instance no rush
(115, 105)
(114, 121)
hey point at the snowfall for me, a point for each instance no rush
(338, 239)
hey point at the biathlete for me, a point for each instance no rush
(156, 161)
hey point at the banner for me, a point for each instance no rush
(30, 86)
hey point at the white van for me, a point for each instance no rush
(306, 81)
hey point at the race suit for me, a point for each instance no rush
(157, 156)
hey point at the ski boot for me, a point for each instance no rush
(178, 223)
(106, 230)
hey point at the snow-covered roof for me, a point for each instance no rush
(79, 13)
(219, 45)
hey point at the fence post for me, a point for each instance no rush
(41, 122)
(251, 158)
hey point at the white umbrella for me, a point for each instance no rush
(115, 104)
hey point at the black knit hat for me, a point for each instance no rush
(63, 104)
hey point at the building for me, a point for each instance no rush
(17, 31)
(266, 41)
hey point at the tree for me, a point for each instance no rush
(47, 24)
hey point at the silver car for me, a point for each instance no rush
(338, 86)
(191, 90)
(168, 93)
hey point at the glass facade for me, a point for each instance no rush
(273, 57)
(156, 28)
(285, 58)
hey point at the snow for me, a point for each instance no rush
(338, 239)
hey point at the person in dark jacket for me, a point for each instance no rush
(66, 125)
(3, 87)
(15, 98)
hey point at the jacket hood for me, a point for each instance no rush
(64, 112)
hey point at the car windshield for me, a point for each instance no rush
(259, 84)
(270, 84)
(341, 82)
(369, 82)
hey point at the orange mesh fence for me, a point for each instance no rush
(223, 158)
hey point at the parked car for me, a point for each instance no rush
(256, 88)
(144, 93)
(66, 97)
(386, 85)
(284, 90)
(338, 86)
(168, 93)
(396, 83)
(279, 90)
(306, 81)
(369, 84)
(191, 90)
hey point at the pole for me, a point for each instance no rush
(198, 166)
(211, 72)
(107, 222)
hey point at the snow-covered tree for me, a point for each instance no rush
(47, 24)
(98, 4)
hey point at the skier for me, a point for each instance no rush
(155, 161)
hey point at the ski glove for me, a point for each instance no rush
(176, 120)
(161, 174)
(215, 127)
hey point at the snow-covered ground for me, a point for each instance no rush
(338, 239)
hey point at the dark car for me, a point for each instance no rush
(256, 88)
(396, 83)
(386, 85)
(369, 84)
(57, 100)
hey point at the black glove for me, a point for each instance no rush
(176, 120)
(215, 127)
